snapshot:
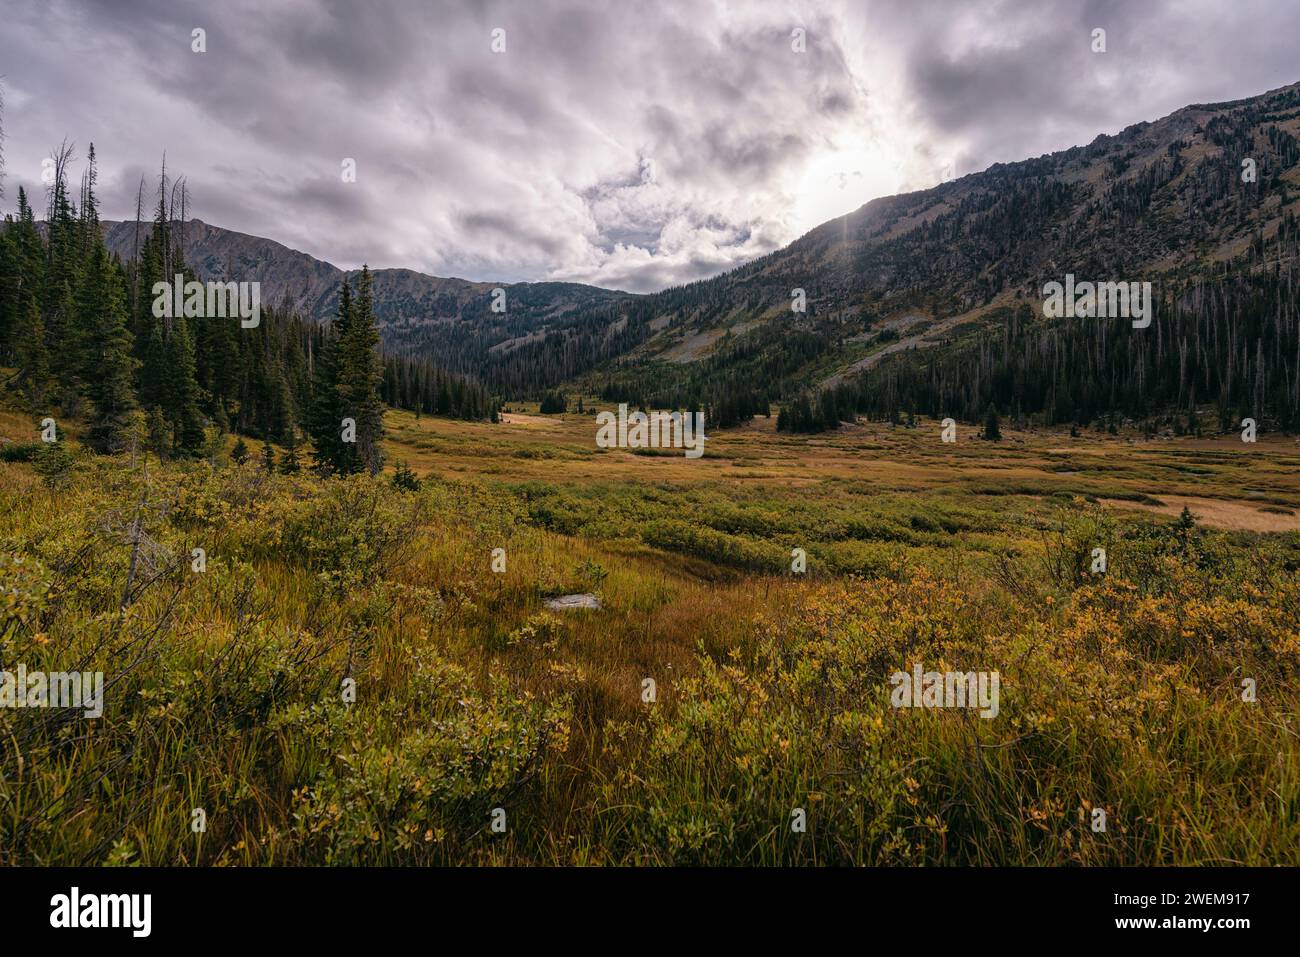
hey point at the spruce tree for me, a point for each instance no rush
(289, 465)
(32, 355)
(159, 433)
(148, 271)
(153, 369)
(181, 391)
(111, 387)
(61, 275)
(63, 339)
(216, 360)
(26, 262)
(992, 429)
(360, 374)
(325, 418)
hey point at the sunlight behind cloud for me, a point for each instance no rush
(843, 177)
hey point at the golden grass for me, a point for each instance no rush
(562, 449)
(1122, 692)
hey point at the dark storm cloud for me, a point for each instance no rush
(504, 227)
(1017, 78)
(630, 145)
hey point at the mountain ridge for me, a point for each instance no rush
(1162, 198)
(1158, 198)
(450, 320)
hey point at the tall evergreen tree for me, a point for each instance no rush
(181, 391)
(21, 267)
(31, 355)
(360, 374)
(153, 369)
(82, 331)
(63, 255)
(111, 386)
(992, 427)
(325, 421)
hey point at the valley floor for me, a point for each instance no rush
(356, 675)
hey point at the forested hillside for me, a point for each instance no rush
(79, 326)
(1202, 203)
(460, 326)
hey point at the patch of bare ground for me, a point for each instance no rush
(1216, 513)
(514, 418)
(690, 348)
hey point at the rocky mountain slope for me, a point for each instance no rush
(451, 320)
(1160, 201)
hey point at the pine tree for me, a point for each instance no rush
(360, 375)
(63, 341)
(31, 354)
(290, 465)
(216, 355)
(181, 391)
(992, 429)
(148, 270)
(160, 437)
(111, 387)
(153, 369)
(404, 478)
(324, 422)
(61, 275)
(89, 232)
(26, 260)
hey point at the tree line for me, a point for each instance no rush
(1221, 348)
(78, 325)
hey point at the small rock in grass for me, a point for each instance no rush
(566, 602)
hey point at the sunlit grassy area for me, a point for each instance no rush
(881, 457)
(348, 680)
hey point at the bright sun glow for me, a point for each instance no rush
(839, 180)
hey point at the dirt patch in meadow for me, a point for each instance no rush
(19, 427)
(1216, 513)
(515, 418)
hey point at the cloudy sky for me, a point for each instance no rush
(632, 144)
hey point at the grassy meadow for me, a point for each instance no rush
(348, 680)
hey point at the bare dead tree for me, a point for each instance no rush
(55, 189)
(135, 250)
(177, 204)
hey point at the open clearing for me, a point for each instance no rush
(1226, 483)
(644, 678)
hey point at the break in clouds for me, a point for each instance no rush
(632, 146)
